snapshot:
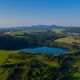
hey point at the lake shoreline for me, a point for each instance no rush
(49, 50)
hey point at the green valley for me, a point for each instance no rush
(21, 65)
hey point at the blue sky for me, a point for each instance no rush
(33, 12)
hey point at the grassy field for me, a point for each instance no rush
(76, 75)
(58, 31)
(16, 65)
(23, 32)
(13, 58)
(68, 40)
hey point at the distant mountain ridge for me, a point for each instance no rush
(36, 27)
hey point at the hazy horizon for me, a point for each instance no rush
(14, 13)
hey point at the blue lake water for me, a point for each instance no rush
(50, 50)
